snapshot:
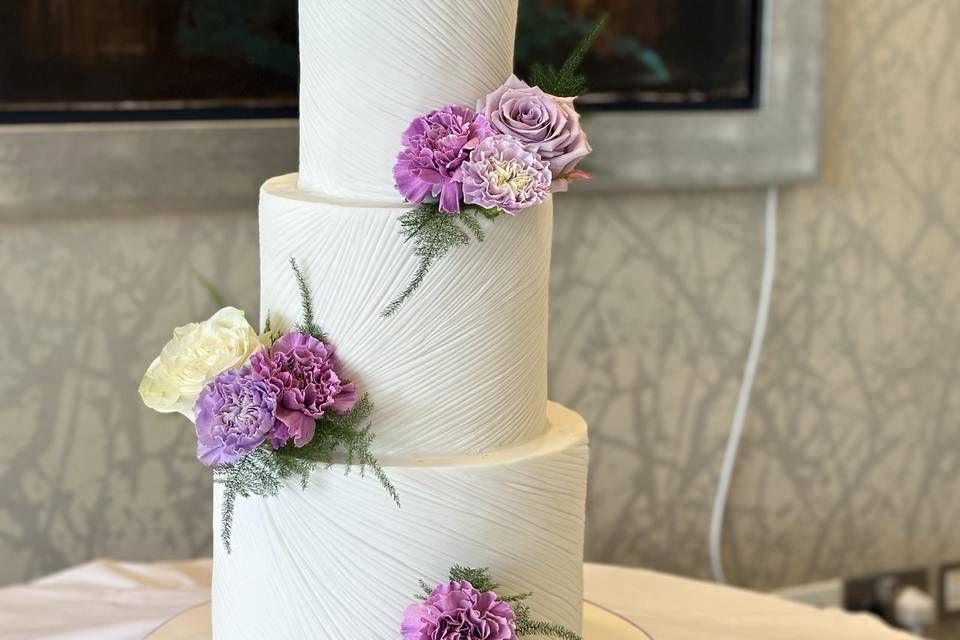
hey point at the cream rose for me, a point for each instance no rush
(197, 353)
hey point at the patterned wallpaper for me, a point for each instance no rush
(851, 458)
(86, 470)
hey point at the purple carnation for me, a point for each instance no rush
(302, 371)
(502, 174)
(457, 611)
(435, 145)
(542, 123)
(234, 413)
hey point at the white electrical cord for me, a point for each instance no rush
(746, 386)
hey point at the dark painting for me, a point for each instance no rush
(154, 55)
(109, 59)
(653, 53)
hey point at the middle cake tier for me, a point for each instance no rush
(469, 347)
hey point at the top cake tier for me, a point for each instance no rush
(368, 67)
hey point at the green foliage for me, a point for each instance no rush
(260, 473)
(434, 234)
(308, 323)
(216, 297)
(479, 578)
(350, 435)
(527, 626)
(344, 438)
(268, 336)
(567, 81)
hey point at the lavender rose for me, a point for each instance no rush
(301, 371)
(546, 124)
(502, 174)
(234, 413)
(457, 611)
(435, 145)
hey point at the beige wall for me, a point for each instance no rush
(851, 458)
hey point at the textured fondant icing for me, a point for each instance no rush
(368, 67)
(339, 560)
(462, 366)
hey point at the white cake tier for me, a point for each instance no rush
(368, 67)
(340, 560)
(461, 366)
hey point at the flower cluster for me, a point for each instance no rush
(241, 392)
(268, 409)
(468, 608)
(520, 144)
(459, 165)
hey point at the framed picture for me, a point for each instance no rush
(653, 55)
(685, 94)
(166, 59)
(109, 60)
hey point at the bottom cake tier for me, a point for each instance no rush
(340, 560)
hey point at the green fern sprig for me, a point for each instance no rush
(481, 579)
(259, 473)
(308, 323)
(567, 81)
(348, 433)
(528, 627)
(434, 234)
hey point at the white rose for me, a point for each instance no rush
(197, 353)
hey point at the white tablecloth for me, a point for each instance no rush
(107, 600)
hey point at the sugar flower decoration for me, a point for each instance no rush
(197, 353)
(501, 174)
(458, 611)
(302, 371)
(546, 124)
(235, 413)
(434, 148)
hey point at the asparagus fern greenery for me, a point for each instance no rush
(344, 438)
(566, 81)
(308, 323)
(434, 234)
(527, 626)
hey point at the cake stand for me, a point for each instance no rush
(598, 624)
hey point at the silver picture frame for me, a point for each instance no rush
(776, 143)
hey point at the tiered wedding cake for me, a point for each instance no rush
(489, 473)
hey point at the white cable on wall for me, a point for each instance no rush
(746, 386)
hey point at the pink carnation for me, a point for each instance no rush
(457, 611)
(302, 371)
(435, 145)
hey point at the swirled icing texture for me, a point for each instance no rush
(368, 67)
(462, 366)
(339, 560)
